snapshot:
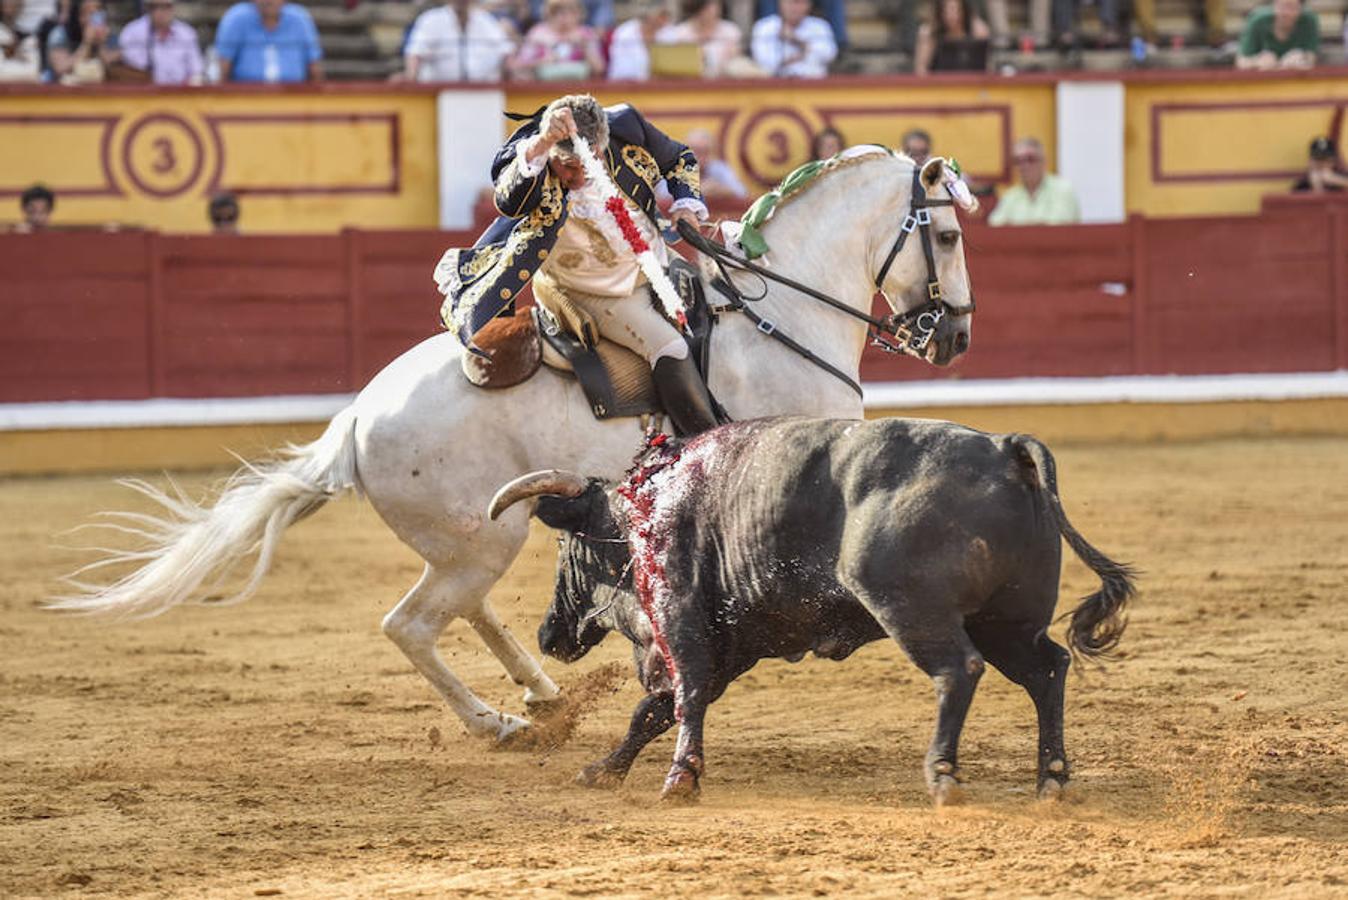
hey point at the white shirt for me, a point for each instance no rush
(628, 58)
(776, 57)
(448, 53)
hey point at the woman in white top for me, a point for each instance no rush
(702, 24)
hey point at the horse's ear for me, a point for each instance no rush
(932, 172)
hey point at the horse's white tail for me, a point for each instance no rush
(191, 549)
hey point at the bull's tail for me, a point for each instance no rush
(190, 548)
(1098, 622)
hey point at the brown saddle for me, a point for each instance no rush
(616, 381)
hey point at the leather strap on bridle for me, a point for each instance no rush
(914, 327)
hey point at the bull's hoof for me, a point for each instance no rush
(1051, 790)
(600, 777)
(946, 791)
(681, 787)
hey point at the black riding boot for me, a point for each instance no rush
(684, 395)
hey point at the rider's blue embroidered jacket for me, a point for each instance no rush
(482, 281)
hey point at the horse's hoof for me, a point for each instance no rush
(680, 787)
(546, 698)
(1052, 790)
(542, 709)
(599, 777)
(946, 791)
(510, 730)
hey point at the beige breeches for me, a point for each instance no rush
(630, 321)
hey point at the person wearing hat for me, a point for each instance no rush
(1323, 172)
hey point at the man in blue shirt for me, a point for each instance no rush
(270, 41)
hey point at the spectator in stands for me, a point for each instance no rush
(793, 44)
(1040, 198)
(916, 144)
(629, 57)
(1064, 13)
(1323, 172)
(456, 41)
(163, 45)
(19, 58)
(515, 16)
(224, 214)
(832, 11)
(598, 14)
(1283, 35)
(702, 24)
(956, 41)
(718, 179)
(560, 47)
(1214, 16)
(827, 143)
(269, 41)
(37, 204)
(81, 49)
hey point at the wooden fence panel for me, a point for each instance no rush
(248, 316)
(74, 314)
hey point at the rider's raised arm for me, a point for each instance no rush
(678, 165)
(517, 183)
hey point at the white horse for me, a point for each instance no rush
(428, 449)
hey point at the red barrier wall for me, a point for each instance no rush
(106, 316)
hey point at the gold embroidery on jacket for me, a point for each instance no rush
(639, 160)
(532, 227)
(689, 174)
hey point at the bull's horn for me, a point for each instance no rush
(547, 481)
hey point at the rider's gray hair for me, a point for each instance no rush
(591, 122)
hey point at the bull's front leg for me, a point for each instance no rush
(690, 648)
(653, 717)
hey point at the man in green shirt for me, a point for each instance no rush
(1280, 36)
(1040, 198)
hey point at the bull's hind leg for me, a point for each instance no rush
(653, 717)
(1026, 655)
(931, 634)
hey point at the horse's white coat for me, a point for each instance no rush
(429, 450)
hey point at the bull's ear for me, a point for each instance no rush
(568, 513)
(932, 172)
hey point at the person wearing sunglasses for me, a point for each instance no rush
(162, 45)
(1038, 198)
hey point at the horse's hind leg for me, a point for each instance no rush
(1026, 655)
(523, 669)
(417, 622)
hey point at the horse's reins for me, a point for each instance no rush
(914, 328)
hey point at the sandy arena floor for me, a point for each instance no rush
(285, 747)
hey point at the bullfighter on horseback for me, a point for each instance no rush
(554, 230)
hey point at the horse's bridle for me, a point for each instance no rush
(914, 328)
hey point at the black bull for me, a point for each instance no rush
(774, 538)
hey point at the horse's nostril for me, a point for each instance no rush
(961, 342)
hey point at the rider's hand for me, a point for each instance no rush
(683, 215)
(557, 125)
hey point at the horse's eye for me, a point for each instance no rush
(949, 238)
